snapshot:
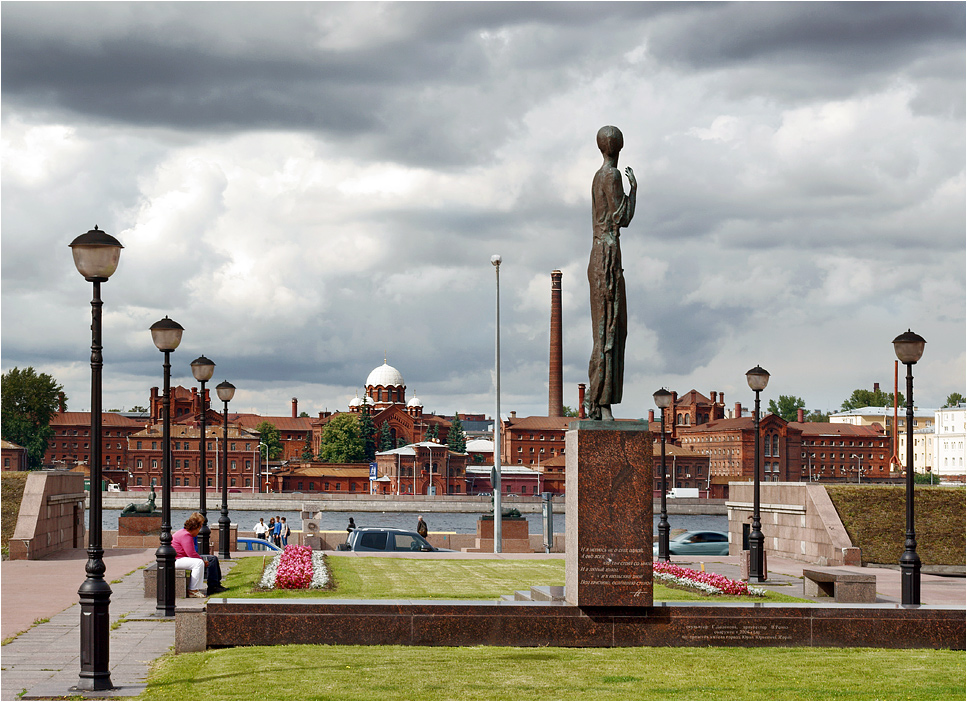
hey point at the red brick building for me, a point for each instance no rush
(145, 455)
(844, 452)
(71, 443)
(312, 476)
(532, 441)
(14, 456)
(684, 467)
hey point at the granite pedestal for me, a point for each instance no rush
(608, 515)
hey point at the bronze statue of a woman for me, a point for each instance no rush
(611, 210)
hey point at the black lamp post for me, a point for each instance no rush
(203, 368)
(96, 256)
(663, 399)
(758, 378)
(226, 391)
(909, 349)
(166, 335)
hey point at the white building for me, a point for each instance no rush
(950, 455)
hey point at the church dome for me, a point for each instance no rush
(385, 375)
(415, 402)
(355, 402)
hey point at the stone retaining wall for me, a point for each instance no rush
(51, 515)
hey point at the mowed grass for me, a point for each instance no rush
(377, 578)
(491, 673)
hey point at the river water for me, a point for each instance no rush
(436, 521)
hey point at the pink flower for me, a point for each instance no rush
(295, 568)
(726, 585)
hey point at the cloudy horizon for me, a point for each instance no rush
(309, 188)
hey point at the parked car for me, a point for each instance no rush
(698, 543)
(386, 539)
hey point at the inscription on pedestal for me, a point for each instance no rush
(731, 633)
(608, 519)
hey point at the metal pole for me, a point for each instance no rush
(204, 536)
(663, 526)
(498, 518)
(910, 561)
(166, 552)
(223, 521)
(94, 592)
(755, 537)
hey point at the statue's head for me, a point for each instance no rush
(610, 140)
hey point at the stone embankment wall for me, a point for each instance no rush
(51, 515)
(798, 522)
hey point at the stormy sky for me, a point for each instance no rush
(307, 187)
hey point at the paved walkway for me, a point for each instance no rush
(43, 662)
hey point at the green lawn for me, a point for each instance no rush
(411, 578)
(490, 673)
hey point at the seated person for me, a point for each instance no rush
(187, 558)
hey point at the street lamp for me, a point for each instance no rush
(166, 335)
(225, 391)
(757, 378)
(203, 368)
(495, 260)
(96, 255)
(909, 349)
(663, 399)
(859, 467)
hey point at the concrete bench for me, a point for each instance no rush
(841, 585)
(182, 578)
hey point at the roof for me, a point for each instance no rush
(333, 470)
(108, 419)
(189, 431)
(836, 429)
(480, 446)
(10, 445)
(538, 422)
(692, 397)
(512, 469)
(883, 412)
(410, 449)
(385, 375)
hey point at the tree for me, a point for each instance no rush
(138, 408)
(269, 436)
(341, 441)
(29, 401)
(368, 431)
(788, 407)
(303, 414)
(432, 433)
(307, 448)
(570, 412)
(385, 437)
(954, 399)
(870, 398)
(455, 438)
(817, 416)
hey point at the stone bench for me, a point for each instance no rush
(182, 578)
(841, 585)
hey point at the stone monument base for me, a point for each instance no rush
(139, 524)
(514, 536)
(608, 514)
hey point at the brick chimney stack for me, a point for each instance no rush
(876, 387)
(800, 415)
(295, 407)
(738, 409)
(61, 402)
(555, 385)
(651, 416)
(581, 389)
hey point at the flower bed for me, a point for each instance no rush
(709, 583)
(295, 568)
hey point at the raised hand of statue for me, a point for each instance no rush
(631, 178)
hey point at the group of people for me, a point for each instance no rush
(276, 531)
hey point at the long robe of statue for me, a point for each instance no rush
(611, 210)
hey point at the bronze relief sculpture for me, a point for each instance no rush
(611, 210)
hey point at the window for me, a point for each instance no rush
(187, 482)
(232, 446)
(178, 463)
(177, 481)
(233, 482)
(209, 482)
(154, 462)
(248, 447)
(312, 485)
(234, 467)
(299, 485)
(325, 486)
(248, 482)
(154, 445)
(139, 444)
(140, 464)
(338, 487)
(248, 465)
(138, 482)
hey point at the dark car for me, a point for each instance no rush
(386, 539)
(698, 543)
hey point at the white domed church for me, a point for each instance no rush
(385, 400)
